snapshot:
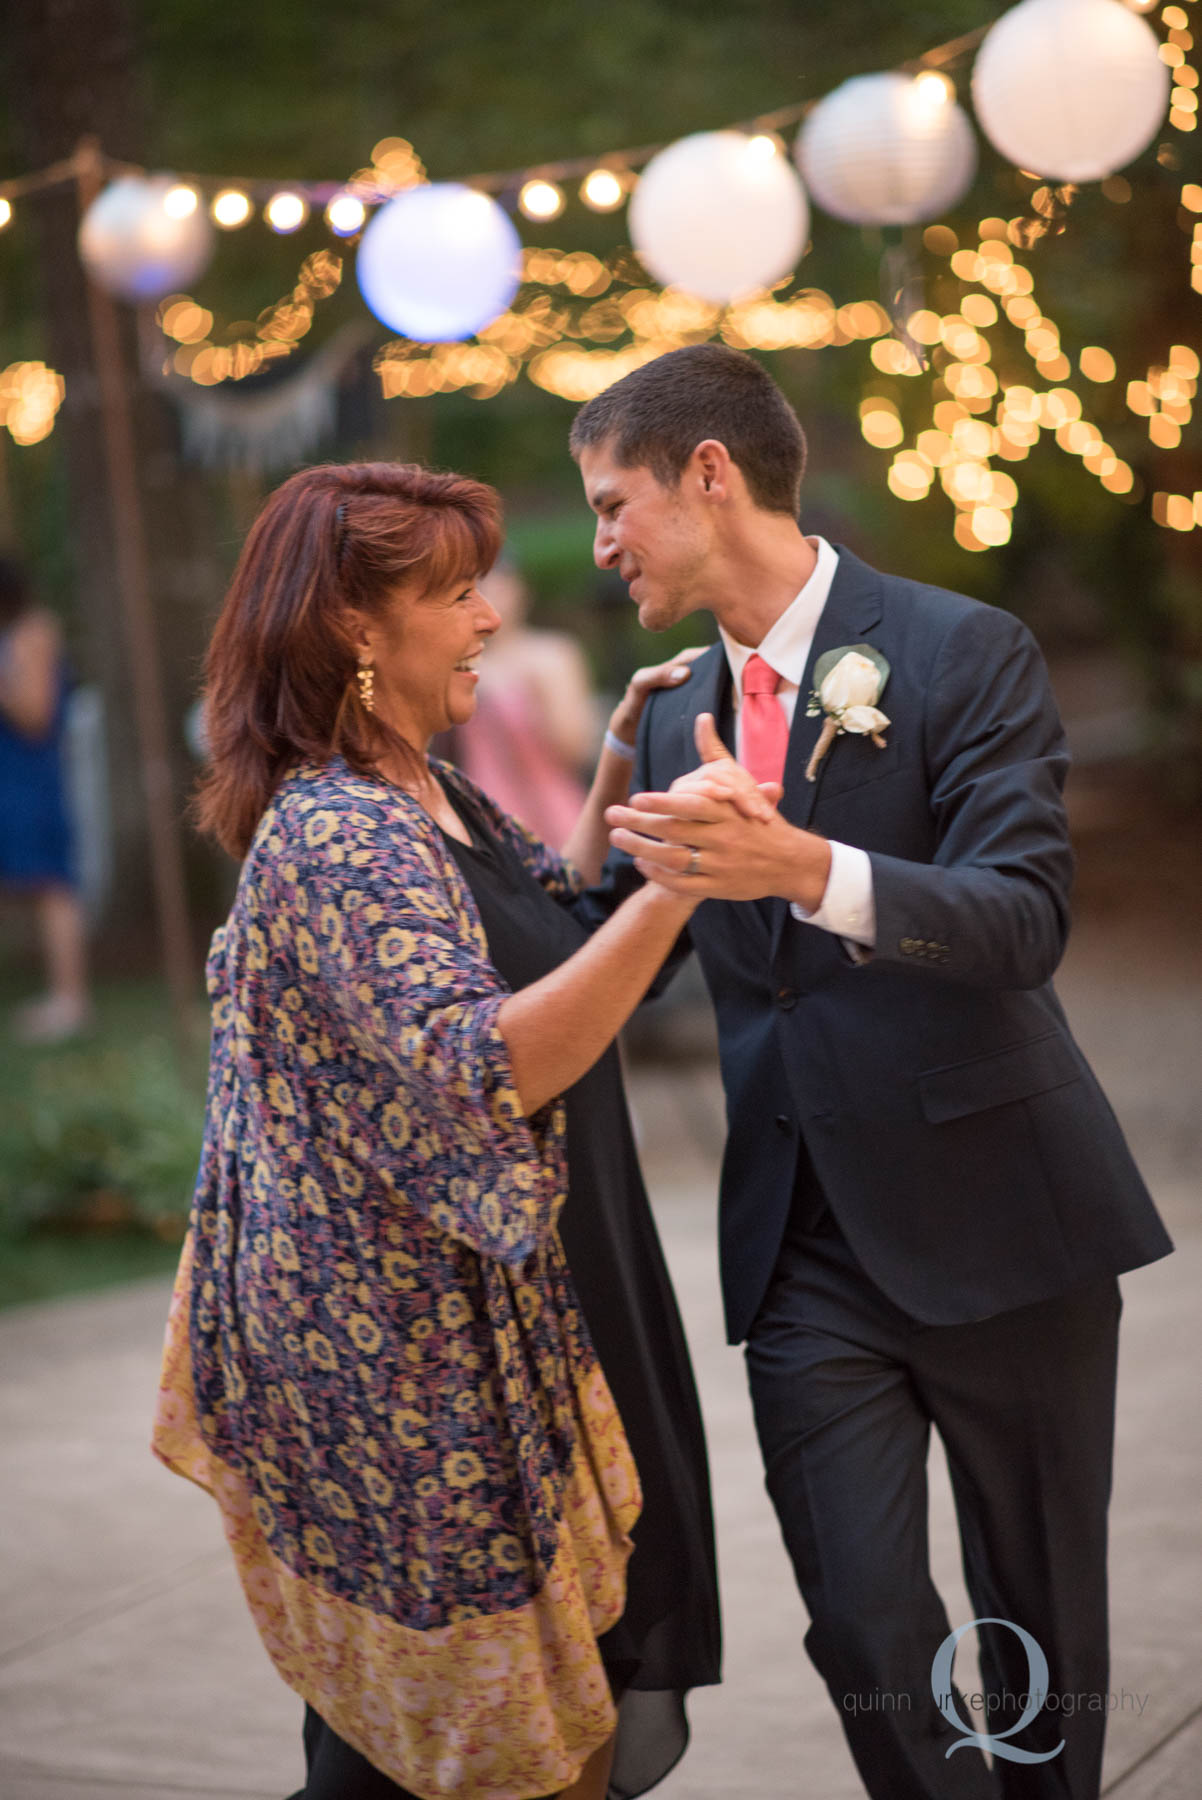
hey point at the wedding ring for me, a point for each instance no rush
(694, 864)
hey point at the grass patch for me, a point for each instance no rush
(99, 1141)
(47, 1266)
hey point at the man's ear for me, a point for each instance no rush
(710, 467)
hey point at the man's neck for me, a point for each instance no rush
(758, 575)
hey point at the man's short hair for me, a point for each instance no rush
(656, 416)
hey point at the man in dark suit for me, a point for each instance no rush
(925, 1197)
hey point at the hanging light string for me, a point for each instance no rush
(962, 441)
(278, 330)
(580, 323)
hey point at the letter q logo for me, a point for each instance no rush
(1037, 1687)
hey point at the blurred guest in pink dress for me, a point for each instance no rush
(535, 726)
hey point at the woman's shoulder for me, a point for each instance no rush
(317, 800)
(546, 865)
(327, 820)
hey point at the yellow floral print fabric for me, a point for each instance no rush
(374, 1360)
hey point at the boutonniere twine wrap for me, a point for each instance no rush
(848, 682)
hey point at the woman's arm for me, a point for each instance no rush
(588, 844)
(29, 678)
(557, 1028)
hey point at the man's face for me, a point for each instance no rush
(656, 537)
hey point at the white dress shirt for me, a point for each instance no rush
(848, 906)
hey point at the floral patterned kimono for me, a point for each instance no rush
(374, 1358)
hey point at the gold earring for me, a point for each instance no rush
(366, 677)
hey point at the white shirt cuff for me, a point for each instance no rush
(848, 907)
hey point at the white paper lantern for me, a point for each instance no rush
(719, 214)
(1070, 89)
(140, 246)
(887, 149)
(439, 262)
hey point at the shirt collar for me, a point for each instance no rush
(786, 647)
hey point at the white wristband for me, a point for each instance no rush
(625, 751)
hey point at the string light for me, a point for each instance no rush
(230, 208)
(764, 146)
(181, 201)
(276, 333)
(603, 190)
(592, 322)
(932, 88)
(1183, 98)
(958, 449)
(183, 319)
(30, 396)
(286, 211)
(346, 214)
(879, 422)
(1096, 364)
(541, 199)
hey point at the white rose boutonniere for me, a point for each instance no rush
(848, 683)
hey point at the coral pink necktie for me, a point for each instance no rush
(765, 728)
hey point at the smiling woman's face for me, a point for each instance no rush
(424, 653)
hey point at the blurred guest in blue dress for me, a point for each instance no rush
(36, 850)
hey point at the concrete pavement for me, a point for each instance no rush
(128, 1664)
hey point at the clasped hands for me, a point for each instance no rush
(717, 834)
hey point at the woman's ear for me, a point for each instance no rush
(357, 633)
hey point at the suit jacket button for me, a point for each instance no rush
(786, 998)
(783, 1122)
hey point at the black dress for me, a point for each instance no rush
(669, 1638)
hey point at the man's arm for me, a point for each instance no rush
(991, 907)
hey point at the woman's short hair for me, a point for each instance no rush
(656, 416)
(332, 542)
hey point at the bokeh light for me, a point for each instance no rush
(603, 190)
(1097, 364)
(541, 199)
(181, 201)
(346, 214)
(286, 211)
(231, 208)
(30, 396)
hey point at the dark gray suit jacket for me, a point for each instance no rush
(959, 1135)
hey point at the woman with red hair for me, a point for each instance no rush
(423, 1348)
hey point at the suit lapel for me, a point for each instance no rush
(852, 608)
(707, 690)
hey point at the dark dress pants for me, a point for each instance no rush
(845, 1389)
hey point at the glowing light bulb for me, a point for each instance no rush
(286, 211)
(6, 213)
(933, 89)
(602, 190)
(345, 215)
(231, 208)
(541, 199)
(180, 202)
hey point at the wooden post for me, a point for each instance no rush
(129, 539)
